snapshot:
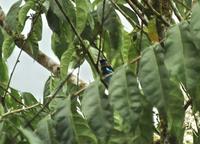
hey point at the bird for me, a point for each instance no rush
(106, 70)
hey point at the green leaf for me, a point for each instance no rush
(111, 23)
(82, 11)
(30, 136)
(67, 7)
(125, 96)
(66, 59)
(115, 57)
(33, 44)
(12, 99)
(159, 90)
(45, 130)
(97, 111)
(195, 26)
(53, 21)
(129, 13)
(28, 99)
(22, 16)
(118, 137)
(153, 77)
(85, 134)
(59, 44)
(2, 133)
(8, 47)
(47, 89)
(182, 58)
(128, 49)
(127, 100)
(70, 124)
(37, 30)
(3, 72)
(65, 127)
(144, 130)
(12, 17)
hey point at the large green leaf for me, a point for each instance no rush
(128, 49)
(3, 72)
(71, 127)
(131, 14)
(45, 130)
(144, 130)
(32, 41)
(28, 99)
(12, 99)
(159, 90)
(8, 46)
(85, 134)
(66, 59)
(125, 96)
(2, 133)
(65, 127)
(53, 21)
(153, 77)
(182, 56)
(82, 12)
(67, 7)
(59, 44)
(31, 137)
(47, 90)
(37, 29)
(22, 16)
(194, 25)
(97, 111)
(111, 23)
(12, 17)
(127, 100)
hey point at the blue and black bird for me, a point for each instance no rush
(106, 70)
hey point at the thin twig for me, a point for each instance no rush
(9, 81)
(135, 59)
(19, 110)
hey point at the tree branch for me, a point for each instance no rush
(19, 110)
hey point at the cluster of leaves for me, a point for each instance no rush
(122, 112)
